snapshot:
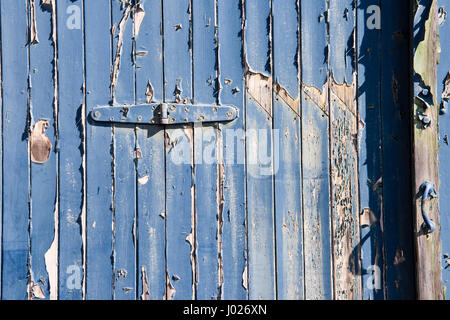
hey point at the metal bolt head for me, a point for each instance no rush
(426, 121)
(97, 114)
(425, 92)
(139, 118)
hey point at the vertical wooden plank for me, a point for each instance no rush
(315, 152)
(262, 284)
(71, 119)
(124, 201)
(234, 240)
(395, 90)
(369, 144)
(287, 145)
(425, 147)
(343, 149)
(180, 181)
(99, 269)
(206, 152)
(443, 69)
(43, 167)
(15, 149)
(150, 167)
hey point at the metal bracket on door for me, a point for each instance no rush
(164, 113)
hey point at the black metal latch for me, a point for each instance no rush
(164, 113)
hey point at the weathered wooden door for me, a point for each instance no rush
(442, 258)
(285, 172)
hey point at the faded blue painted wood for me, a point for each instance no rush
(370, 152)
(443, 69)
(151, 261)
(259, 147)
(206, 153)
(164, 222)
(99, 215)
(180, 178)
(15, 140)
(43, 199)
(234, 241)
(124, 205)
(287, 149)
(315, 152)
(343, 149)
(396, 182)
(71, 137)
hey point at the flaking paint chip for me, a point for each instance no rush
(37, 291)
(144, 180)
(40, 145)
(138, 17)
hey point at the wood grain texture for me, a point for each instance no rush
(444, 151)
(99, 148)
(180, 178)
(71, 120)
(276, 204)
(15, 235)
(287, 150)
(425, 151)
(315, 152)
(44, 175)
(396, 137)
(207, 142)
(150, 141)
(259, 144)
(124, 157)
(370, 149)
(234, 254)
(343, 149)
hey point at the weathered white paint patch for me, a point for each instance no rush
(138, 17)
(37, 291)
(144, 180)
(51, 258)
(145, 289)
(40, 145)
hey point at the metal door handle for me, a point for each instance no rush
(428, 192)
